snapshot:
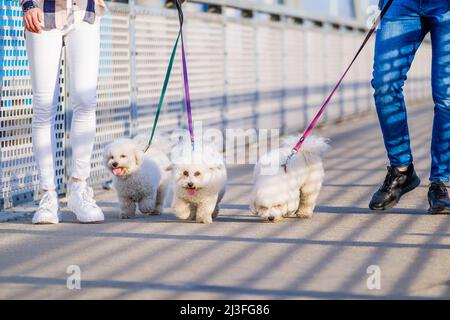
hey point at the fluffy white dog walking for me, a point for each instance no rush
(137, 178)
(199, 182)
(279, 193)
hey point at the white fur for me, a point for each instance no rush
(294, 192)
(159, 151)
(140, 181)
(204, 168)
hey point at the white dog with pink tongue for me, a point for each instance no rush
(199, 182)
(140, 180)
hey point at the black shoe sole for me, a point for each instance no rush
(394, 202)
(444, 210)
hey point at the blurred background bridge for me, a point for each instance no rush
(252, 64)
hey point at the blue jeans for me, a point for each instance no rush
(401, 32)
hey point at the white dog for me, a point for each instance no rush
(199, 182)
(279, 193)
(137, 178)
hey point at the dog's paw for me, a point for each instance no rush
(151, 213)
(304, 214)
(156, 212)
(290, 214)
(207, 220)
(124, 215)
(182, 214)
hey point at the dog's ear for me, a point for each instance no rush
(139, 155)
(212, 164)
(212, 161)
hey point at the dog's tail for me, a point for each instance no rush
(313, 144)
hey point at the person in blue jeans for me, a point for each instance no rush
(401, 32)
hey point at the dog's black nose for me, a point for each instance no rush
(190, 184)
(115, 164)
(271, 218)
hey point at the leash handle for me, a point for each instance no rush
(327, 101)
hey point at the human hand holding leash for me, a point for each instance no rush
(32, 19)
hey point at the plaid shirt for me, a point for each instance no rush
(56, 12)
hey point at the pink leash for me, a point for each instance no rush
(327, 101)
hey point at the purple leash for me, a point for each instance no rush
(187, 95)
(327, 101)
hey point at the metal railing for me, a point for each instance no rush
(244, 73)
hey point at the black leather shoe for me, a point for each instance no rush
(438, 198)
(395, 185)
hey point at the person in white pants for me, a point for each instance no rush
(44, 41)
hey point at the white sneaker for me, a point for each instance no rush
(48, 211)
(81, 202)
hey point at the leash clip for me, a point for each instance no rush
(293, 153)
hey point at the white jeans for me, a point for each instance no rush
(82, 43)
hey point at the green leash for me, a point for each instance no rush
(164, 89)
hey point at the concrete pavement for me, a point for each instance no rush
(239, 257)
